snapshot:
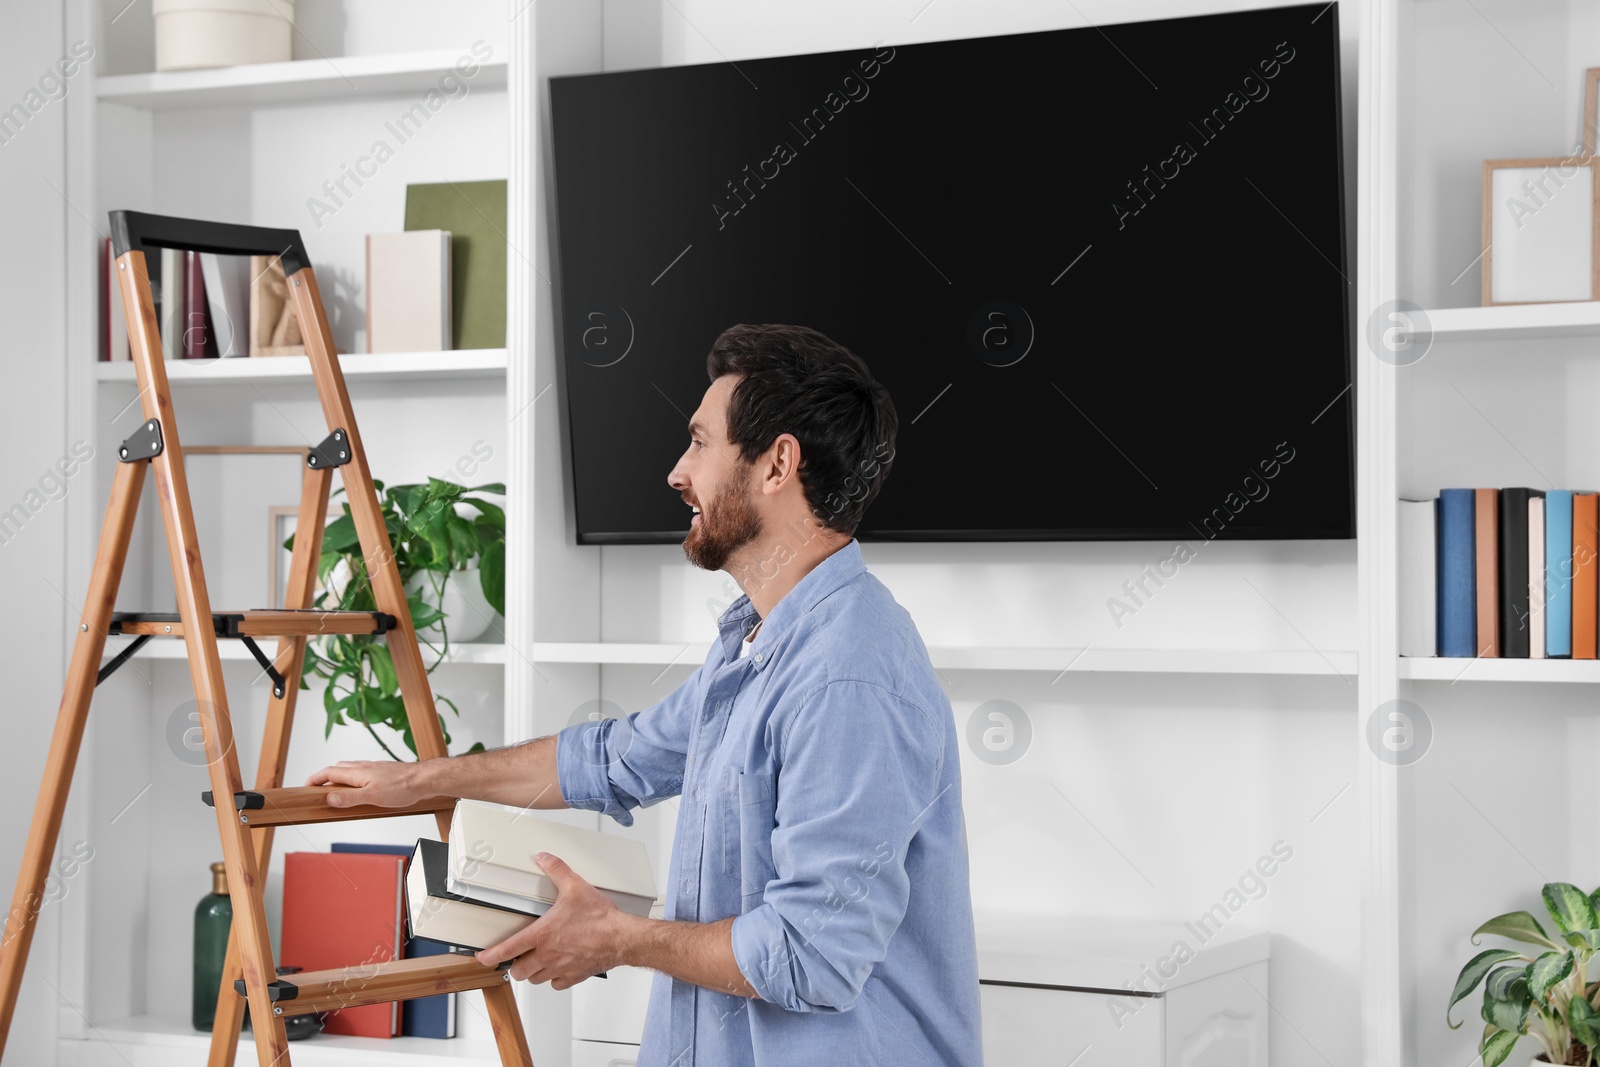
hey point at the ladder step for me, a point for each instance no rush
(381, 983)
(300, 804)
(258, 622)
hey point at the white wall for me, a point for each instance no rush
(1141, 794)
(34, 227)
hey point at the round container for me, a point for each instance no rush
(222, 33)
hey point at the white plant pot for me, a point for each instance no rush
(222, 33)
(467, 611)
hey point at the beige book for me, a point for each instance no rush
(408, 291)
(492, 849)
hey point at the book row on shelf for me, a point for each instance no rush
(437, 285)
(1500, 573)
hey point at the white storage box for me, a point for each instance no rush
(222, 33)
(1053, 989)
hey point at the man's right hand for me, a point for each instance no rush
(385, 784)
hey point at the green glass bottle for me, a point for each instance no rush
(213, 918)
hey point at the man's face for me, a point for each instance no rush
(712, 478)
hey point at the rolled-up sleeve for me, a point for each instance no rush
(858, 767)
(615, 765)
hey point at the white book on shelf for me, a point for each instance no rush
(1536, 577)
(172, 324)
(1417, 568)
(228, 296)
(408, 291)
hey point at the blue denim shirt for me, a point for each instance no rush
(821, 805)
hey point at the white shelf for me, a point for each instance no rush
(1461, 669)
(1054, 660)
(229, 649)
(333, 78)
(357, 367)
(155, 1041)
(1515, 321)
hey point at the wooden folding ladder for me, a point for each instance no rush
(246, 822)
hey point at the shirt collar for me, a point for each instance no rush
(843, 566)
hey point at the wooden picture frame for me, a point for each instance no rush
(274, 328)
(1543, 214)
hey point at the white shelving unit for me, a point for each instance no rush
(486, 363)
(1503, 397)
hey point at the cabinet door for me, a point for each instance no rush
(604, 1054)
(1219, 1021)
(612, 1008)
(1028, 1027)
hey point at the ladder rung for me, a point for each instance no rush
(383, 983)
(258, 622)
(299, 804)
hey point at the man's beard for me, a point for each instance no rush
(725, 526)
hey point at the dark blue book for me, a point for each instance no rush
(425, 1016)
(1457, 622)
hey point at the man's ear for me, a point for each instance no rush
(781, 463)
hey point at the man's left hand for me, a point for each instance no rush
(577, 938)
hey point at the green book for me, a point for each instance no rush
(475, 215)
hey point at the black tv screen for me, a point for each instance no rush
(1102, 272)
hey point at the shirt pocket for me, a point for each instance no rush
(749, 815)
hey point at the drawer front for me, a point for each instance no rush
(1027, 1027)
(1220, 1021)
(604, 1054)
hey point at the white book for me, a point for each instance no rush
(1418, 575)
(492, 848)
(172, 322)
(1536, 577)
(228, 295)
(408, 291)
(118, 317)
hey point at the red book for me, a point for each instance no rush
(197, 340)
(345, 910)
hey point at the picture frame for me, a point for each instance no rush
(1540, 234)
(1591, 109)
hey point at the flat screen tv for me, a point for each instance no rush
(1101, 271)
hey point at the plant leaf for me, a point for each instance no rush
(1473, 973)
(1506, 1014)
(1546, 971)
(497, 488)
(1584, 1020)
(1508, 984)
(340, 535)
(1496, 1046)
(1570, 907)
(492, 575)
(1518, 926)
(492, 513)
(1589, 939)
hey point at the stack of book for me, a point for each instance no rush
(484, 885)
(1509, 573)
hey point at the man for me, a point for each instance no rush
(817, 903)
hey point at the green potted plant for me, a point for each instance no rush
(1543, 992)
(435, 548)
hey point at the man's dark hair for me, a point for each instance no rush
(798, 381)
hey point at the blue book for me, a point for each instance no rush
(1558, 572)
(425, 1016)
(1457, 621)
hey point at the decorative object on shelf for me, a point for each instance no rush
(408, 291)
(431, 542)
(1539, 230)
(274, 330)
(192, 34)
(1545, 993)
(475, 215)
(213, 917)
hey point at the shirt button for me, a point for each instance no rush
(758, 657)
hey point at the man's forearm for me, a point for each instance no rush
(523, 775)
(699, 953)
